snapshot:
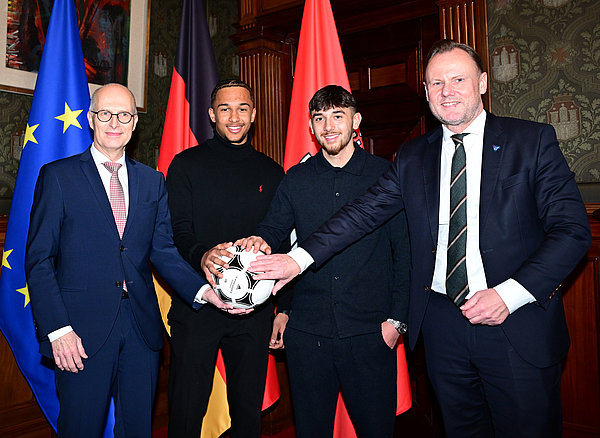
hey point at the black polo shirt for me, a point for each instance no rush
(360, 287)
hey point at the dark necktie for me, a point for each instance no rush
(117, 196)
(457, 286)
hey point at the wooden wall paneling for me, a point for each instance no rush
(457, 21)
(581, 368)
(353, 16)
(248, 10)
(270, 5)
(465, 21)
(20, 414)
(262, 71)
(385, 67)
(265, 66)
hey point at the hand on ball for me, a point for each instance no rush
(214, 258)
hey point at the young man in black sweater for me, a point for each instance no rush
(218, 192)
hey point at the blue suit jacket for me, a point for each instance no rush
(533, 226)
(76, 262)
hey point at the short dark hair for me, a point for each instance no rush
(230, 83)
(332, 96)
(444, 46)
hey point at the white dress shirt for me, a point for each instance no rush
(512, 293)
(473, 144)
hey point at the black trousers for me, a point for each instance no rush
(484, 387)
(244, 342)
(363, 367)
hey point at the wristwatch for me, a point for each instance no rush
(400, 327)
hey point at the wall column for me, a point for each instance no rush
(265, 64)
(465, 21)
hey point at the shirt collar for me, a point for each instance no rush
(476, 127)
(354, 166)
(100, 158)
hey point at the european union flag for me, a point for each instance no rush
(57, 128)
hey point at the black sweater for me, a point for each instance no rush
(218, 192)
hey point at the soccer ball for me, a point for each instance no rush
(238, 287)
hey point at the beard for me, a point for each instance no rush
(335, 148)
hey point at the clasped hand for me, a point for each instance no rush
(485, 307)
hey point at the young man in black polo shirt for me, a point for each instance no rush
(347, 315)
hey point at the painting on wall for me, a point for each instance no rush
(114, 37)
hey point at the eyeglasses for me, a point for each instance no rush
(123, 117)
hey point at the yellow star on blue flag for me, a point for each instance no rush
(5, 255)
(24, 291)
(29, 134)
(69, 118)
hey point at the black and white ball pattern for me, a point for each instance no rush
(238, 286)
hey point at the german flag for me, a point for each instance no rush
(186, 125)
(194, 76)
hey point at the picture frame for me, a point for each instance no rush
(23, 82)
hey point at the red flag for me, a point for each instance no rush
(319, 63)
(186, 125)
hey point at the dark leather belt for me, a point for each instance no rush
(124, 295)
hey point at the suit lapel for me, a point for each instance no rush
(432, 153)
(494, 145)
(133, 178)
(97, 188)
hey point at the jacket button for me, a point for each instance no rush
(433, 251)
(118, 284)
(122, 248)
(426, 288)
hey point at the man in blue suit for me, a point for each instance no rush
(494, 345)
(97, 219)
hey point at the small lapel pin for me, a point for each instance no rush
(495, 147)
